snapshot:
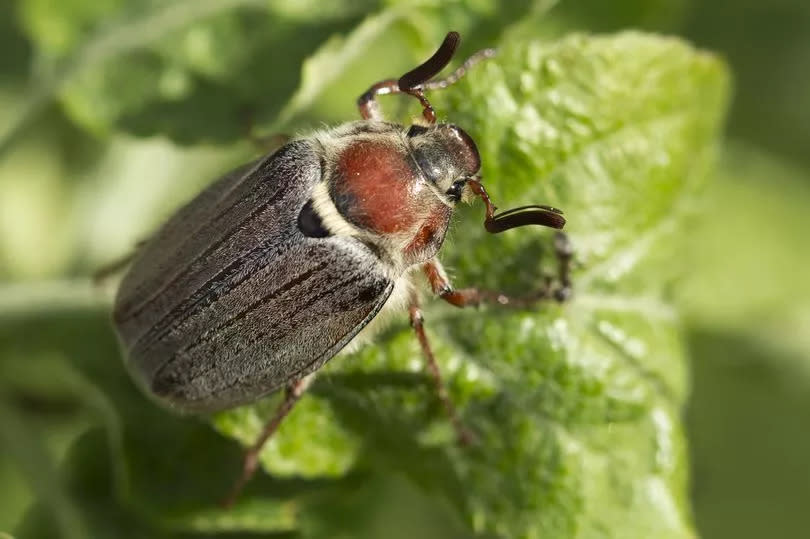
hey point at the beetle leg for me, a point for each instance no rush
(107, 270)
(267, 144)
(464, 435)
(470, 297)
(264, 143)
(251, 460)
(367, 103)
(370, 109)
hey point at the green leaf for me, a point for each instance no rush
(576, 406)
(618, 132)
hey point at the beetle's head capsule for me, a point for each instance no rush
(448, 158)
(446, 155)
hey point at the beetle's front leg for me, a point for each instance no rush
(467, 297)
(464, 435)
(250, 463)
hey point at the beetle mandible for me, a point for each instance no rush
(284, 262)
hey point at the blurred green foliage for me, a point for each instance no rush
(114, 112)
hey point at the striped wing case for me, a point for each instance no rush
(230, 300)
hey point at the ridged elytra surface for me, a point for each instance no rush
(231, 300)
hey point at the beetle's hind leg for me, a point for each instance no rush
(100, 275)
(250, 463)
(559, 290)
(464, 435)
(265, 143)
(108, 270)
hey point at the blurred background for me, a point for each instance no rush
(66, 164)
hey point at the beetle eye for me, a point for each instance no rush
(416, 130)
(454, 193)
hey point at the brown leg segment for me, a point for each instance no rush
(108, 270)
(251, 460)
(367, 103)
(266, 144)
(370, 109)
(464, 435)
(468, 297)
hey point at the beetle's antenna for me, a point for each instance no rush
(432, 66)
(516, 217)
(417, 80)
(452, 78)
(525, 215)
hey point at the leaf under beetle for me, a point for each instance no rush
(576, 406)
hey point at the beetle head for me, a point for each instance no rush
(446, 155)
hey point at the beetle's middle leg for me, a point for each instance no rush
(250, 463)
(559, 290)
(464, 435)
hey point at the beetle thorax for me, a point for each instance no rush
(372, 190)
(394, 187)
(376, 187)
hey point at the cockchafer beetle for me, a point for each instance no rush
(284, 262)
